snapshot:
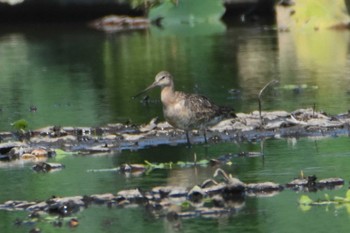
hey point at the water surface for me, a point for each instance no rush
(77, 76)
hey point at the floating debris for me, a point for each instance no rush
(211, 199)
(117, 137)
(116, 23)
(33, 108)
(310, 183)
(263, 189)
(47, 167)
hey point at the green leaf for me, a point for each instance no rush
(186, 205)
(150, 165)
(229, 163)
(305, 200)
(347, 195)
(156, 166)
(326, 195)
(20, 124)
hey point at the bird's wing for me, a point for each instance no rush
(201, 106)
(205, 109)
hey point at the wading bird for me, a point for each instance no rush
(187, 111)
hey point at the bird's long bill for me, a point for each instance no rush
(153, 85)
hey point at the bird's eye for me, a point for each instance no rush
(162, 78)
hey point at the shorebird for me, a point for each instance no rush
(187, 111)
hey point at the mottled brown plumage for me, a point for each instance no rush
(187, 111)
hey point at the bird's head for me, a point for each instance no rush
(162, 79)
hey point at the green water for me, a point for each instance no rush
(283, 161)
(77, 76)
(81, 77)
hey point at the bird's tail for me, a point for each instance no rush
(228, 112)
(232, 114)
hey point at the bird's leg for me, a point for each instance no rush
(205, 136)
(188, 138)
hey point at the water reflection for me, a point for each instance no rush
(40, 73)
(77, 76)
(318, 58)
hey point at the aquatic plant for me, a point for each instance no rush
(20, 125)
(306, 202)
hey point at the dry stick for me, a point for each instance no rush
(260, 94)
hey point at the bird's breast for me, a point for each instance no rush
(177, 115)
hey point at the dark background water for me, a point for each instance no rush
(76, 76)
(85, 10)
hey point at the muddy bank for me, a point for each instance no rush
(117, 137)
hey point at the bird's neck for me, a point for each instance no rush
(167, 95)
